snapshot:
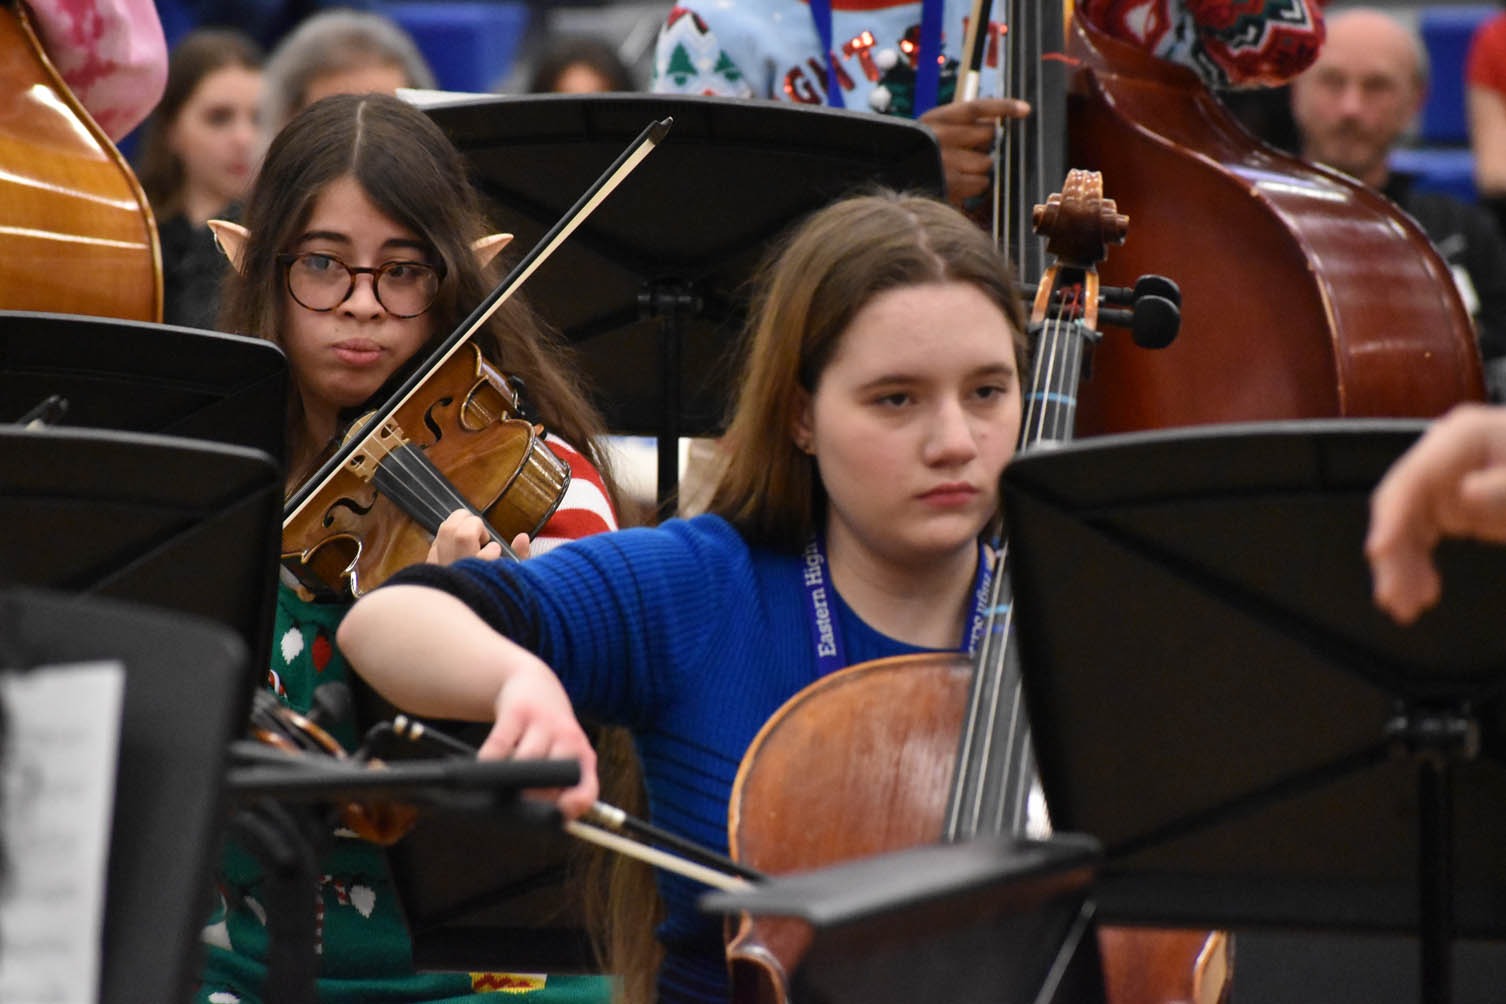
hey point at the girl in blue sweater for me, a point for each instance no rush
(878, 405)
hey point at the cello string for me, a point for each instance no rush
(991, 683)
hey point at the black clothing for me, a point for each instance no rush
(192, 268)
(1467, 238)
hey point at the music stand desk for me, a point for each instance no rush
(184, 681)
(132, 376)
(992, 919)
(1216, 698)
(180, 524)
(650, 289)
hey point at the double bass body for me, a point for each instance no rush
(79, 233)
(1305, 293)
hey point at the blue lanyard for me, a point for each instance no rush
(928, 62)
(821, 598)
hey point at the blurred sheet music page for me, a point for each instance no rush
(58, 768)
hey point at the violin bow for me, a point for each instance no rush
(653, 134)
(610, 827)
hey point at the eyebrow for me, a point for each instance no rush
(982, 372)
(394, 244)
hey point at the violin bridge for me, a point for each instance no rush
(376, 448)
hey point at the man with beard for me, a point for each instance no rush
(1351, 108)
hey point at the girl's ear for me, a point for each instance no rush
(231, 239)
(486, 248)
(800, 426)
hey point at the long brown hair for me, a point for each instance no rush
(412, 172)
(808, 291)
(198, 54)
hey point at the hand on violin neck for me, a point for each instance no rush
(463, 534)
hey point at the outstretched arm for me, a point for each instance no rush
(430, 654)
(1451, 483)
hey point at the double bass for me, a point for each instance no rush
(1306, 293)
(78, 232)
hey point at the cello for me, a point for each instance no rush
(79, 233)
(939, 751)
(1313, 296)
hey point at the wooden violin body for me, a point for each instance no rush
(1305, 294)
(78, 233)
(380, 511)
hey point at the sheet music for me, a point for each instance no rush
(58, 773)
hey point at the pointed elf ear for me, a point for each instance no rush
(231, 239)
(486, 248)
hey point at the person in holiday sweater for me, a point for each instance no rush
(368, 182)
(773, 49)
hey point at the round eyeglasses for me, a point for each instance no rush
(322, 282)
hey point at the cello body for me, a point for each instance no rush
(899, 719)
(1305, 293)
(78, 233)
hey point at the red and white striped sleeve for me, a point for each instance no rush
(586, 507)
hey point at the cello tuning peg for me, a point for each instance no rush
(1157, 285)
(1156, 321)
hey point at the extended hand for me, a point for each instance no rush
(534, 720)
(1451, 483)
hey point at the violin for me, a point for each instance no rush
(382, 509)
(450, 437)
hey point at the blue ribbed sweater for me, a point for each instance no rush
(692, 640)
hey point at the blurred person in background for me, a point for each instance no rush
(197, 159)
(339, 52)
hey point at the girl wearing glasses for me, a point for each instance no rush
(363, 245)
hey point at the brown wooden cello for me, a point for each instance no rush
(934, 747)
(78, 233)
(1305, 293)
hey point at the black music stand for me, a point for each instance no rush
(1216, 698)
(468, 907)
(184, 525)
(132, 376)
(650, 287)
(185, 682)
(992, 920)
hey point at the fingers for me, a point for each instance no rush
(534, 720)
(965, 131)
(1451, 483)
(522, 546)
(1482, 511)
(463, 534)
(968, 174)
(978, 110)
